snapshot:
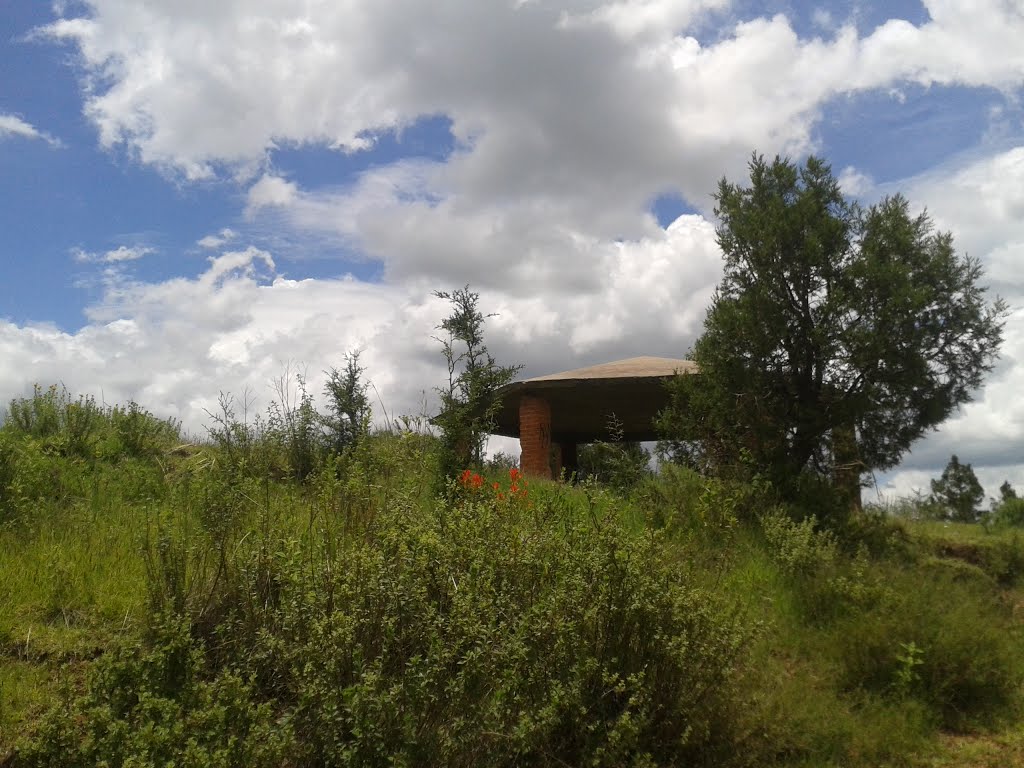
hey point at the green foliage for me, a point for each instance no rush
(468, 401)
(348, 417)
(908, 660)
(965, 664)
(156, 707)
(205, 607)
(294, 426)
(1006, 491)
(616, 463)
(137, 433)
(1009, 512)
(799, 547)
(958, 492)
(837, 337)
(481, 633)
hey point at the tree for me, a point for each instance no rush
(468, 402)
(348, 405)
(958, 491)
(1009, 509)
(1006, 491)
(837, 337)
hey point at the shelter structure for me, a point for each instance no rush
(553, 414)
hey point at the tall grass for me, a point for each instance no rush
(211, 605)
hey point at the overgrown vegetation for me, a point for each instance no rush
(208, 604)
(298, 589)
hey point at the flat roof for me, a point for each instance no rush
(585, 400)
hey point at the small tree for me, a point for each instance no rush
(837, 337)
(1006, 491)
(348, 405)
(959, 492)
(1009, 509)
(619, 463)
(468, 402)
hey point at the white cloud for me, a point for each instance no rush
(173, 345)
(14, 126)
(981, 203)
(223, 237)
(853, 182)
(599, 104)
(117, 255)
(568, 119)
(636, 18)
(270, 191)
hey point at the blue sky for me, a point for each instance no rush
(196, 196)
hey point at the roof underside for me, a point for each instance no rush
(584, 402)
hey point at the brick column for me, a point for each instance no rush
(535, 436)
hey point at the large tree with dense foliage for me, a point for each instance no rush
(838, 335)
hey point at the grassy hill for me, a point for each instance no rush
(248, 600)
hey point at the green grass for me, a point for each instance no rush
(178, 602)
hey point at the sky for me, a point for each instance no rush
(198, 197)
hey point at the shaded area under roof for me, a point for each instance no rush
(584, 400)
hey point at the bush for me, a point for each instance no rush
(940, 641)
(1009, 513)
(798, 547)
(154, 707)
(137, 433)
(487, 632)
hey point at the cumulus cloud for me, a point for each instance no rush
(567, 120)
(270, 191)
(982, 204)
(12, 126)
(529, 93)
(174, 345)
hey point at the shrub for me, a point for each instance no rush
(138, 433)
(798, 546)
(484, 632)
(67, 426)
(940, 641)
(1009, 513)
(154, 707)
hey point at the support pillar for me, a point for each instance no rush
(535, 436)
